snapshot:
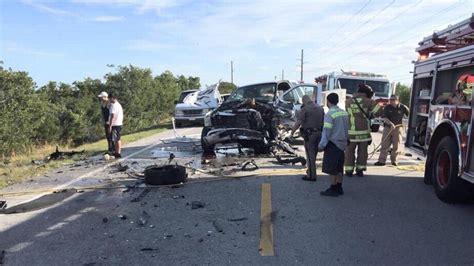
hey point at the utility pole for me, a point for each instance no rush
(302, 62)
(282, 74)
(231, 72)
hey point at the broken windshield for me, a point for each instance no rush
(261, 92)
(381, 88)
(183, 95)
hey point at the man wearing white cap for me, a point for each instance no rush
(105, 106)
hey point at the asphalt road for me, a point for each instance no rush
(388, 217)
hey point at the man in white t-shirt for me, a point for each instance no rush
(115, 124)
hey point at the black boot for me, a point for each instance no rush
(349, 173)
(360, 173)
(339, 189)
(330, 192)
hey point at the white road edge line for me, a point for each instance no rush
(93, 172)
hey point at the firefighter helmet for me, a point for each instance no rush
(366, 89)
(465, 84)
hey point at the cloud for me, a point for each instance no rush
(140, 6)
(107, 18)
(48, 9)
(20, 49)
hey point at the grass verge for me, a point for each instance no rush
(21, 168)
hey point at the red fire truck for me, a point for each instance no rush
(441, 117)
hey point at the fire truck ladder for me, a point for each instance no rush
(454, 37)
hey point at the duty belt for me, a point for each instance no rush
(310, 130)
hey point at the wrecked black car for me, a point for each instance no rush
(253, 115)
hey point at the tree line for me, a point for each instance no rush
(61, 113)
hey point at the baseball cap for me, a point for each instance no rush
(103, 94)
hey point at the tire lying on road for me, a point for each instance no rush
(165, 175)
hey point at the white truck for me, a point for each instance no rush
(195, 104)
(349, 80)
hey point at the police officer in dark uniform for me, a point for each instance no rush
(310, 121)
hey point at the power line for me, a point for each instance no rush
(407, 29)
(411, 36)
(365, 23)
(347, 21)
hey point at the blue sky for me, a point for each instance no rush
(70, 40)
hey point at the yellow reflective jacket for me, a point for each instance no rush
(359, 125)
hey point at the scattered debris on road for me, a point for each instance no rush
(238, 219)
(249, 166)
(165, 175)
(197, 205)
(217, 226)
(148, 249)
(141, 195)
(61, 155)
(3, 204)
(291, 161)
(122, 216)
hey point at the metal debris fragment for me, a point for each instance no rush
(292, 161)
(217, 226)
(148, 249)
(142, 221)
(3, 204)
(141, 195)
(197, 205)
(122, 168)
(249, 166)
(238, 219)
(172, 156)
(60, 155)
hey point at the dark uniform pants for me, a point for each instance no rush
(311, 148)
(350, 161)
(108, 136)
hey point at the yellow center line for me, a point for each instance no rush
(266, 228)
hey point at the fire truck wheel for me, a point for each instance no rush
(449, 187)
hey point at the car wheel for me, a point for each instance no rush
(165, 175)
(449, 187)
(205, 147)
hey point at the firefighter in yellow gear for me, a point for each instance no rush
(360, 109)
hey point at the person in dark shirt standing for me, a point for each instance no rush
(393, 129)
(310, 119)
(105, 106)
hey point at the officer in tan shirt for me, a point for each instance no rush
(310, 121)
(393, 130)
